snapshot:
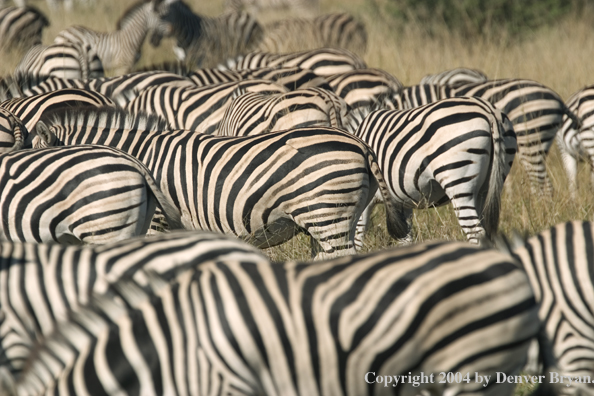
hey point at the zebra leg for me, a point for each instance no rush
(158, 223)
(570, 165)
(365, 220)
(406, 218)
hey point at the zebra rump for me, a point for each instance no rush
(78, 194)
(335, 327)
(366, 87)
(455, 77)
(42, 283)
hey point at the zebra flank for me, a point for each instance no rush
(79, 194)
(455, 77)
(21, 27)
(43, 283)
(253, 327)
(456, 150)
(253, 113)
(366, 87)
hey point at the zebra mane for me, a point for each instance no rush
(104, 116)
(129, 13)
(179, 68)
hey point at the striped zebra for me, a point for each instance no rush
(575, 139)
(535, 110)
(21, 27)
(204, 41)
(12, 132)
(254, 113)
(41, 283)
(322, 61)
(68, 61)
(29, 110)
(455, 77)
(196, 108)
(118, 50)
(558, 262)
(350, 326)
(366, 87)
(457, 150)
(297, 7)
(339, 30)
(264, 189)
(76, 195)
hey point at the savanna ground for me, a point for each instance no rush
(558, 56)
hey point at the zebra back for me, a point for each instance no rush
(292, 78)
(364, 87)
(21, 27)
(455, 77)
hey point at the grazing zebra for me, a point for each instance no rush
(68, 61)
(78, 194)
(340, 30)
(12, 132)
(254, 113)
(535, 111)
(575, 139)
(455, 77)
(366, 87)
(297, 7)
(120, 49)
(264, 188)
(41, 283)
(196, 108)
(322, 61)
(341, 327)
(21, 27)
(457, 150)
(29, 110)
(559, 265)
(204, 41)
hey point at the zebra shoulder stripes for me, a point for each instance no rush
(254, 113)
(41, 283)
(455, 77)
(118, 50)
(21, 27)
(264, 188)
(456, 150)
(78, 194)
(337, 327)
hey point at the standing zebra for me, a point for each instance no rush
(340, 30)
(118, 50)
(264, 189)
(340, 327)
(459, 150)
(253, 113)
(41, 283)
(68, 61)
(559, 265)
(204, 41)
(575, 139)
(297, 7)
(21, 27)
(78, 194)
(322, 61)
(535, 111)
(455, 77)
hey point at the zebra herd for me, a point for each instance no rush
(116, 276)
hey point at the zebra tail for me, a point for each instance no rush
(492, 207)
(576, 122)
(396, 227)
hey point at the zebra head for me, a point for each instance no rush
(176, 19)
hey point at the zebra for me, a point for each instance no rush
(41, 283)
(204, 41)
(292, 78)
(30, 109)
(263, 189)
(457, 150)
(76, 195)
(12, 132)
(322, 61)
(366, 87)
(254, 113)
(535, 110)
(66, 60)
(21, 27)
(574, 139)
(196, 108)
(455, 77)
(339, 30)
(340, 327)
(298, 7)
(558, 263)
(52, 4)
(120, 49)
